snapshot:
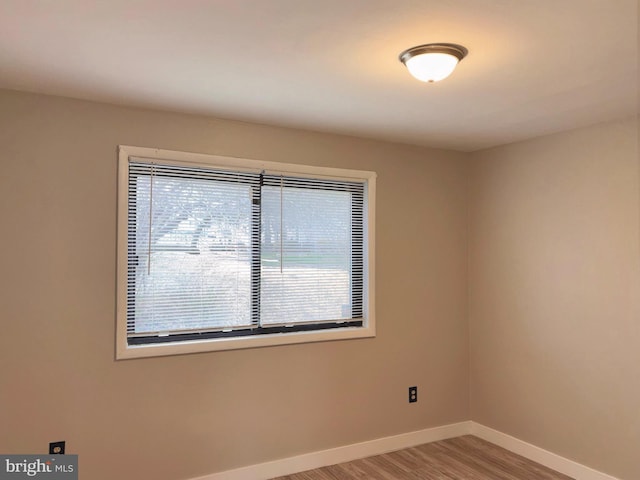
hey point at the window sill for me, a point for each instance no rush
(236, 343)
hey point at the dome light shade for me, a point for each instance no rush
(433, 62)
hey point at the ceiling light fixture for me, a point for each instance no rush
(434, 61)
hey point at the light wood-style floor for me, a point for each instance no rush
(462, 458)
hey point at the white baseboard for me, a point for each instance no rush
(309, 461)
(346, 453)
(537, 454)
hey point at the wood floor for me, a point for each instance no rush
(462, 458)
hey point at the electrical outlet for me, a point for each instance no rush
(56, 448)
(413, 394)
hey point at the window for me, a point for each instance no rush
(218, 253)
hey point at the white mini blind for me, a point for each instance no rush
(191, 249)
(312, 247)
(214, 252)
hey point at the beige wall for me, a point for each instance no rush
(554, 310)
(553, 290)
(180, 417)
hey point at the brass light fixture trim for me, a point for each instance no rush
(457, 51)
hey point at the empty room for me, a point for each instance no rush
(311, 240)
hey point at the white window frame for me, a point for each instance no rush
(126, 351)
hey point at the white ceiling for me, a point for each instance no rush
(534, 66)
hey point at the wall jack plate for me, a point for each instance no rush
(413, 394)
(56, 448)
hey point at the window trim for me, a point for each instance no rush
(126, 351)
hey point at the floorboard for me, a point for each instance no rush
(461, 458)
